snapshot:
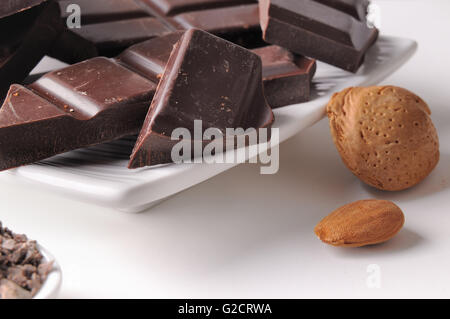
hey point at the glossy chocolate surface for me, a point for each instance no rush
(111, 38)
(97, 11)
(316, 30)
(108, 27)
(172, 7)
(72, 48)
(208, 79)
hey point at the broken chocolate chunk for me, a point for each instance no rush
(286, 76)
(238, 24)
(35, 29)
(207, 79)
(319, 31)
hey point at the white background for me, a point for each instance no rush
(245, 235)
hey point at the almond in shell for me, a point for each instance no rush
(384, 135)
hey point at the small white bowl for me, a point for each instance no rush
(50, 288)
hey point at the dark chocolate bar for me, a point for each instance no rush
(286, 76)
(233, 20)
(107, 28)
(238, 24)
(25, 38)
(84, 104)
(72, 48)
(316, 30)
(207, 79)
(97, 11)
(111, 38)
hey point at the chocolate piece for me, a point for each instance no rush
(312, 29)
(97, 11)
(286, 76)
(100, 100)
(208, 79)
(238, 24)
(71, 48)
(85, 104)
(172, 7)
(35, 29)
(355, 8)
(149, 58)
(111, 38)
(22, 268)
(107, 28)
(233, 20)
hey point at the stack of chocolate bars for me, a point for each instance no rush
(149, 66)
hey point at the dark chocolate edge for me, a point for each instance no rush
(136, 158)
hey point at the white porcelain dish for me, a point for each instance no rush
(52, 284)
(99, 174)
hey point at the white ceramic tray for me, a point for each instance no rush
(99, 174)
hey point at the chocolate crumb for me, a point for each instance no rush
(22, 270)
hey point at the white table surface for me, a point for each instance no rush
(244, 235)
